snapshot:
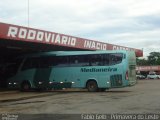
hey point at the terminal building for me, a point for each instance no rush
(146, 69)
(18, 40)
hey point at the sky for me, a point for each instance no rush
(130, 23)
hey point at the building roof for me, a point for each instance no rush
(10, 33)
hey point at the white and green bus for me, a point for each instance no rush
(94, 70)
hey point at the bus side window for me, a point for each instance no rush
(36, 62)
(106, 59)
(79, 60)
(96, 60)
(119, 58)
(74, 60)
(50, 61)
(62, 61)
(115, 58)
(30, 63)
(44, 62)
(27, 64)
(12, 68)
(84, 60)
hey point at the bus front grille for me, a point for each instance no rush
(116, 80)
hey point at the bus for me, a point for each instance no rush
(94, 70)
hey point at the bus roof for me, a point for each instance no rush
(66, 53)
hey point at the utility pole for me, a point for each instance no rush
(28, 13)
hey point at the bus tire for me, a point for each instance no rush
(25, 86)
(92, 86)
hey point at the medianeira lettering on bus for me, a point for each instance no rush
(98, 69)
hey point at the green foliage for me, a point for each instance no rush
(152, 59)
(142, 62)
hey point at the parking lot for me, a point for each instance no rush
(144, 97)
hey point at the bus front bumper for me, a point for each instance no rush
(13, 85)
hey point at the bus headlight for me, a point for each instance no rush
(40, 83)
(73, 82)
(61, 82)
(107, 82)
(9, 83)
(14, 83)
(50, 82)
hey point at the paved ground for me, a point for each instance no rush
(144, 97)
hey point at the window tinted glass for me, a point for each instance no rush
(51, 61)
(75, 60)
(12, 68)
(81, 60)
(62, 61)
(27, 64)
(31, 63)
(106, 59)
(96, 60)
(99, 60)
(116, 58)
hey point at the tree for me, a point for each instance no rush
(154, 58)
(142, 62)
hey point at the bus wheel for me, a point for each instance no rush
(92, 86)
(25, 86)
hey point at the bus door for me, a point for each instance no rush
(76, 77)
(41, 77)
(42, 73)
